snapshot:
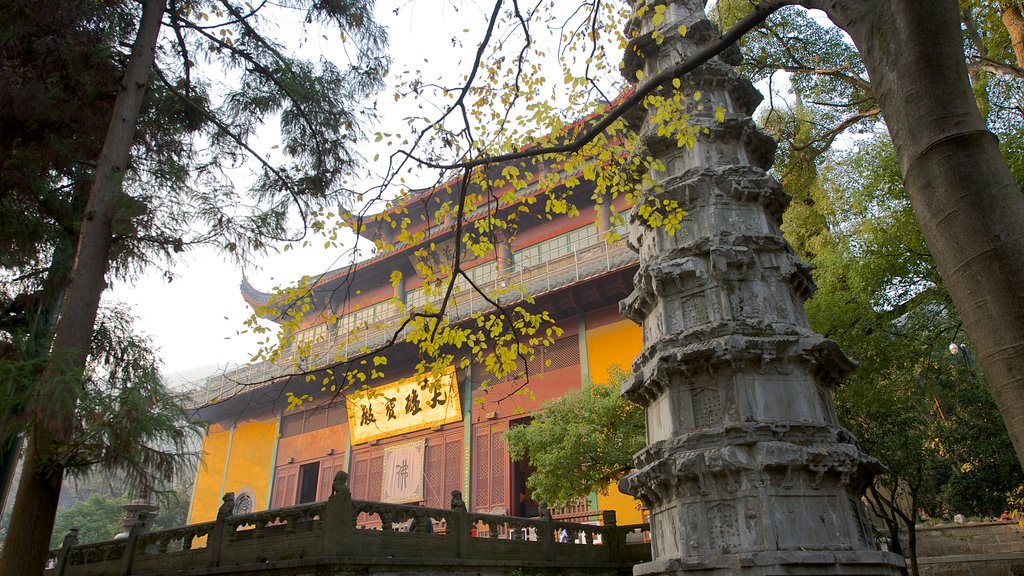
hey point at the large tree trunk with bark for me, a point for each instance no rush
(967, 202)
(41, 324)
(35, 506)
(1014, 22)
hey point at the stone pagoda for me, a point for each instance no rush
(747, 470)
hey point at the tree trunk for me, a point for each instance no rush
(40, 329)
(912, 547)
(966, 200)
(1014, 22)
(25, 548)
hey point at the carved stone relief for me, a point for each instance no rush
(744, 460)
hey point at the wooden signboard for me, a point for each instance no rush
(404, 406)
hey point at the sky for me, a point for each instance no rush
(196, 319)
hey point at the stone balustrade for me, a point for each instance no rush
(344, 534)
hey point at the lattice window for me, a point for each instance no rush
(367, 471)
(443, 469)
(557, 247)
(452, 469)
(490, 467)
(416, 298)
(285, 487)
(575, 506)
(481, 470)
(291, 424)
(376, 479)
(312, 335)
(484, 275)
(433, 474)
(317, 418)
(563, 353)
(328, 468)
(499, 464)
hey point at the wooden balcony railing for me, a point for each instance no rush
(578, 265)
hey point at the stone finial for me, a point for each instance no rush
(340, 484)
(139, 526)
(457, 502)
(227, 507)
(545, 512)
(71, 538)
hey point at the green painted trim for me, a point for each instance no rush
(273, 461)
(467, 438)
(581, 327)
(348, 449)
(227, 460)
(195, 483)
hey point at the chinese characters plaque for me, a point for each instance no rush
(404, 406)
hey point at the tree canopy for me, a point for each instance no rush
(912, 52)
(580, 442)
(119, 144)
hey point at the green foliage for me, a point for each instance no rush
(580, 442)
(218, 76)
(97, 518)
(173, 508)
(920, 410)
(926, 414)
(497, 145)
(124, 420)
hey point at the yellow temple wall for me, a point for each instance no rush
(616, 343)
(251, 465)
(210, 475)
(233, 461)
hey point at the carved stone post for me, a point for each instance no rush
(614, 537)
(218, 537)
(746, 470)
(459, 528)
(546, 533)
(339, 517)
(70, 541)
(139, 527)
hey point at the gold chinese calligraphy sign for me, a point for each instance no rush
(404, 406)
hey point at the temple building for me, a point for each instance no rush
(404, 442)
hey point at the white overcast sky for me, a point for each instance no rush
(196, 320)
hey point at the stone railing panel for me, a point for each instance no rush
(357, 532)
